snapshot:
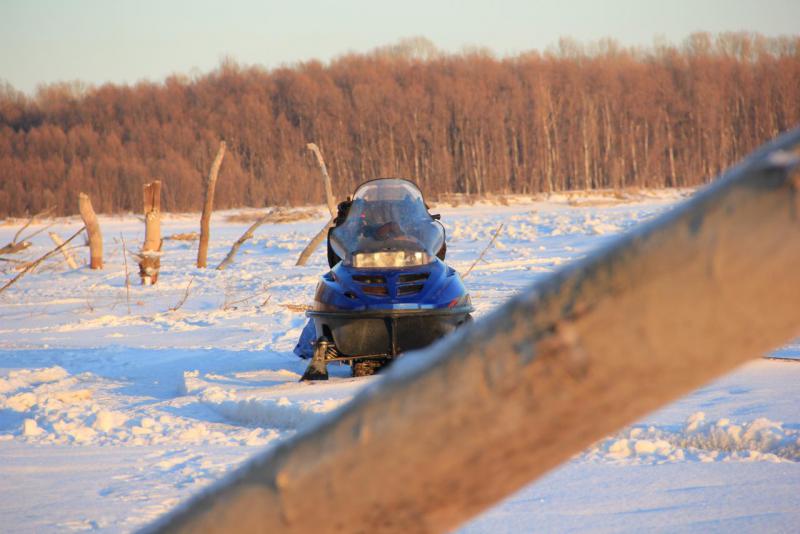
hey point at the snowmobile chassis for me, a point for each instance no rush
(325, 350)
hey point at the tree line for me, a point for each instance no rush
(572, 117)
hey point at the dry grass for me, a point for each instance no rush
(189, 236)
(274, 215)
(458, 199)
(606, 197)
(298, 308)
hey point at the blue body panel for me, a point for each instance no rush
(425, 287)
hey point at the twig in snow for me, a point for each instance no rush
(295, 307)
(127, 279)
(230, 304)
(185, 296)
(483, 252)
(189, 236)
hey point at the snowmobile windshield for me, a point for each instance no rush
(387, 226)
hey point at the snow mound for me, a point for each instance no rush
(51, 406)
(16, 380)
(279, 413)
(258, 408)
(704, 441)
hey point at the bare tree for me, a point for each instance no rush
(604, 117)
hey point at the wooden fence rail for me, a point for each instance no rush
(453, 429)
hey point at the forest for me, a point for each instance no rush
(576, 116)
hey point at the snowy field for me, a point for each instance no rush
(113, 408)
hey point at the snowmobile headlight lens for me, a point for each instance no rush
(389, 259)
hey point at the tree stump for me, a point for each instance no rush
(93, 231)
(150, 256)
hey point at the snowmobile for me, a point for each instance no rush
(388, 290)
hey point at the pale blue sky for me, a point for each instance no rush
(98, 41)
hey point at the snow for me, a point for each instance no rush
(110, 417)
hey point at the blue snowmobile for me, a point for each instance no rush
(388, 290)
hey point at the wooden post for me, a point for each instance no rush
(68, 257)
(93, 231)
(451, 430)
(150, 256)
(330, 201)
(208, 207)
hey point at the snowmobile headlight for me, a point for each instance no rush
(389, 259)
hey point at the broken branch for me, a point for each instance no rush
(312, 246)
(28, 268)
(13, 248)
(30, 222)
(329, 198)
(68, 257)
(239, 242)
(331, 201)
